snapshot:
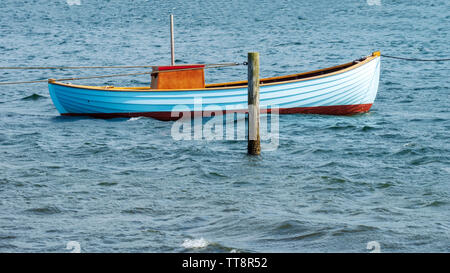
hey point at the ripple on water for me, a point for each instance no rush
(341, 126)
(367, 128)
(213, 175)
(34, 97)
(7, 237)
(437, 204)
(140, 210)
(294, 230)
(354, 229)
(107, 183)
(333, 180)
(46, 210)
(423, 160)
(384, 185)
(8, 247)
(289, 227)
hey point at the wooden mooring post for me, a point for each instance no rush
(253, 138)
(172, 42)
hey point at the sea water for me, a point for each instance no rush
(333, 184)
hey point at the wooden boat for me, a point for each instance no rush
(345, 89)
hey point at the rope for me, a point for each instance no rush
(414, 59)
(127, 74)
(79, 78)
(90, 67)
(70, 67)
(6, 83)
(196, 68)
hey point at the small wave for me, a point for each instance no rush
(340, 126)
(410, 144)
(134, 118)
(8, 246)
(44, 210)
(367, 128)
(33, 97)
(240, 183)
(139, 211)
(424, 160)
(288, 44)
(406, 152)
(302, 237)
(153, 231)
(328, 165)
(321, 151)
(214, 247)
(4, 181)
(354, 229)
(195, 243)
(384, 185)
(7, 237)
(290, 227)
(333, 180)
(389, 135)
(107, 184)
(213, 175)
(436, 204)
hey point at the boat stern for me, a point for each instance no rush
(374, 83)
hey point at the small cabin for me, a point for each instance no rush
(178, 77)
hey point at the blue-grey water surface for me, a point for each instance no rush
(124, 185)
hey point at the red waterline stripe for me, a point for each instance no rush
(341, 110)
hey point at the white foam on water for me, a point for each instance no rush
(195, 243)
(134, 118)
(73, 2)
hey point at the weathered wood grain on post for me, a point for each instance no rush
(254, 141)
(172, 41)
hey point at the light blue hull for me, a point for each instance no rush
(348, 92)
